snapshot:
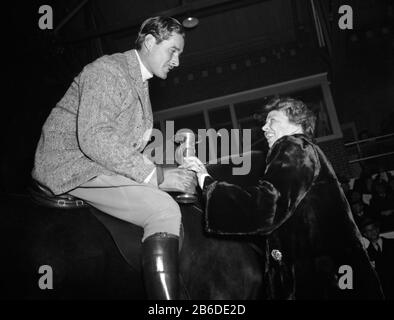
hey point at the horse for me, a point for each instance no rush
(81, 253)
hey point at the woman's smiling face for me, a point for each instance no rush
(278, 125)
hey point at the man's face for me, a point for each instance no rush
(371, 232)
(278, 125)
(164, 56)
(357, 207)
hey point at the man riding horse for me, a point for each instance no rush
(92, 142)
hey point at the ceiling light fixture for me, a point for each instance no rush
(190, 22)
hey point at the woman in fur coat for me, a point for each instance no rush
(313, 248)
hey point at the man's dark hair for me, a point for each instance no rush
(159, 27)
(296, 111)
(369, 221)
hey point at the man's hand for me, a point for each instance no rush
(178, 180)
(194, 164)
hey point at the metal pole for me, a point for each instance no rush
(368, 139)
(372, 157)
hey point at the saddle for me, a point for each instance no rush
(41, 195)
(126, 236)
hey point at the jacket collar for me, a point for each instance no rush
(146, 74)
(134, 68)
(296, 135)
(141, 87)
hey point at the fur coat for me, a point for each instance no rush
(313, 248)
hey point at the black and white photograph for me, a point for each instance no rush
(212, 152)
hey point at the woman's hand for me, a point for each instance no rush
(194, 164)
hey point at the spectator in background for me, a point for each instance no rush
(382, 202)
(381, 253)
(364, 183)
(362, 211)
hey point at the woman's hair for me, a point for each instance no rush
(159, 27)
(297, 112)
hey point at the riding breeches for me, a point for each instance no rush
(138, 203)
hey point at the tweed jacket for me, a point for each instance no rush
(306, 223)
(98, 127)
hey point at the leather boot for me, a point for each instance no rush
(160, 266)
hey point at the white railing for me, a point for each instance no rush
(378, 139)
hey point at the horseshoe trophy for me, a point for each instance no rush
(187, 148)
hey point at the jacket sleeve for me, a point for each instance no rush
(291, 168)
(101, 136)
